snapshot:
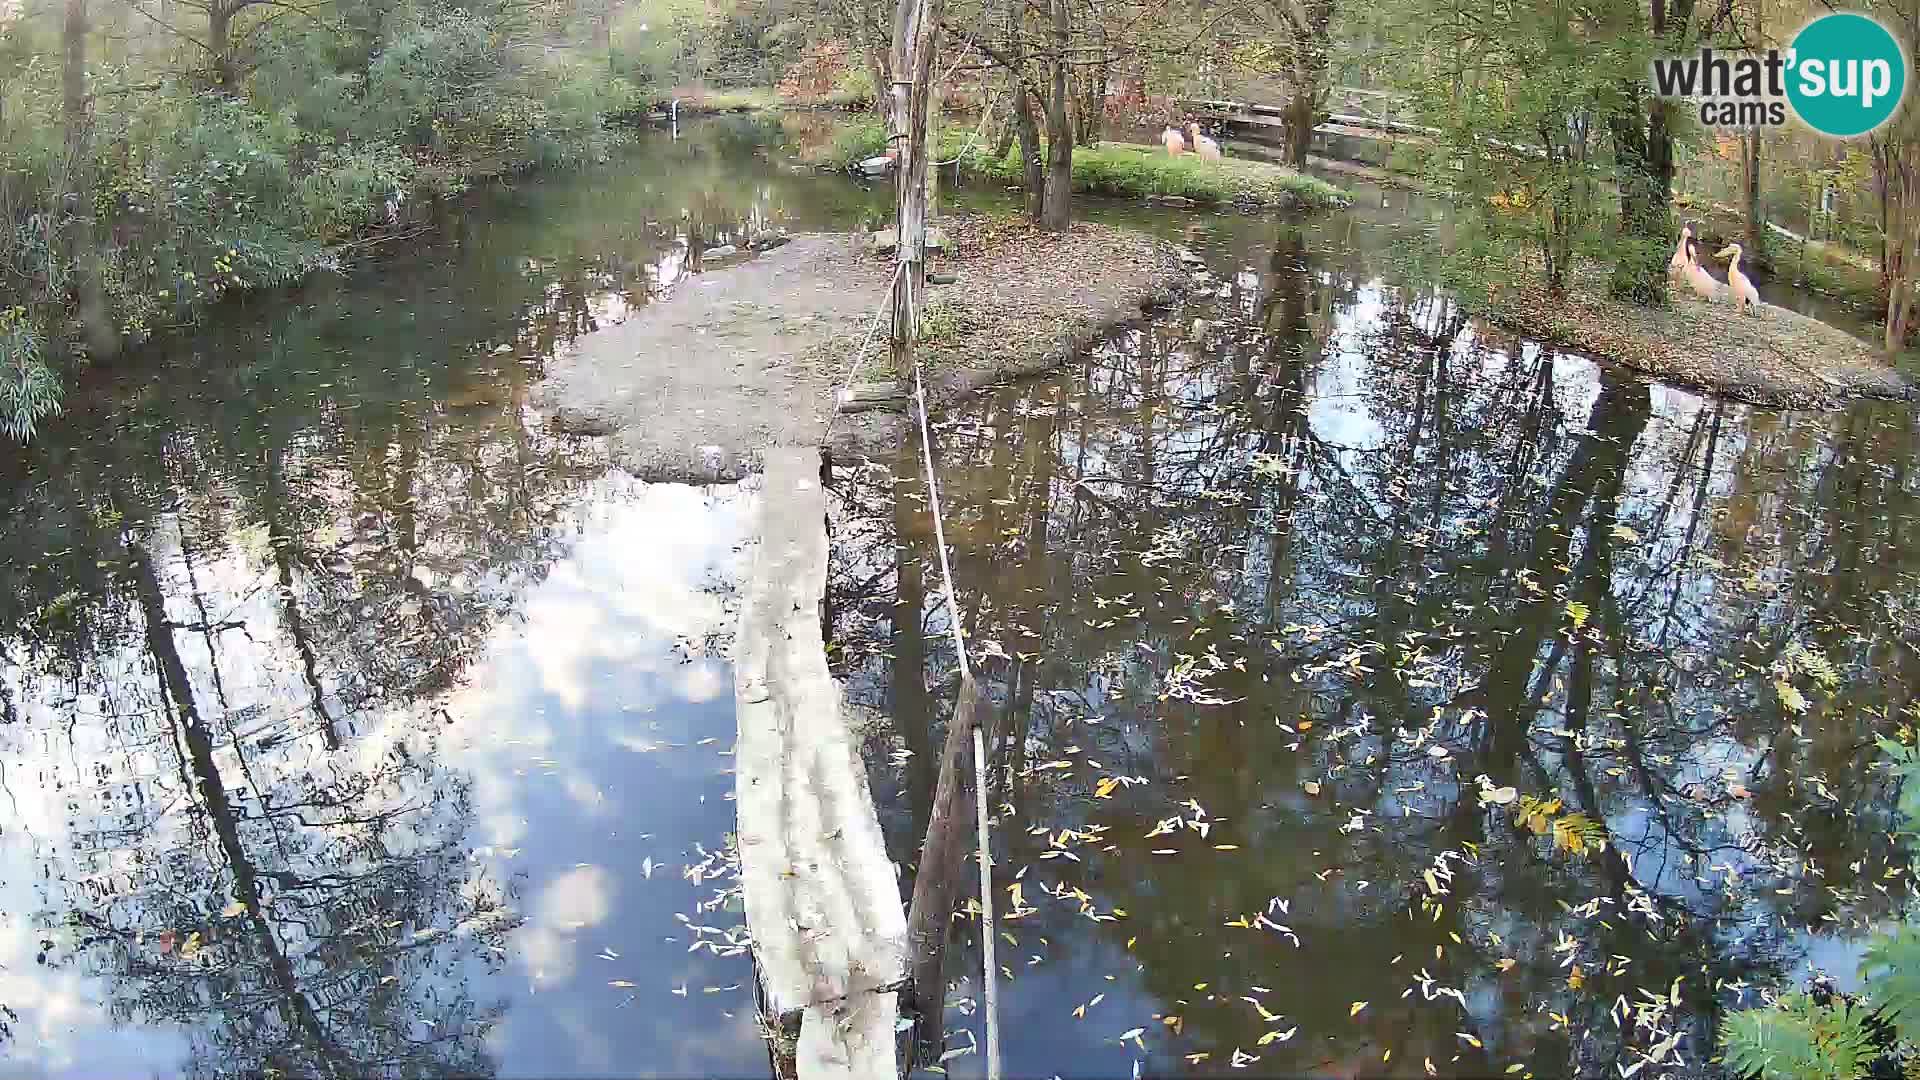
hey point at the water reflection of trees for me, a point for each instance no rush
(1350, 511)
(228, 604)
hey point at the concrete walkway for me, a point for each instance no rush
(822, 899)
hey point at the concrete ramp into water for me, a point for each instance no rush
(822, 899)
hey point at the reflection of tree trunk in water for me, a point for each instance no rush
(1290, 352)
(1038, 440)
(1598, 469)
(912, 714)
(936, 882)
(295, 1009)
(1693, 522)
(281, 541)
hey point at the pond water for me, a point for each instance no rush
(352, 722)
(1301, 598)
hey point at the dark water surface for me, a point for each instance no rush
(1275, 586)
(353, 723)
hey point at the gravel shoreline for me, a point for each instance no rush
(748, 355)
(1777, 358)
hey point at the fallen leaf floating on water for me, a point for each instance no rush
(1277, 1036)
(1579, 613)
(1357, 1006)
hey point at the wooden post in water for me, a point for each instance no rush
(936, 882)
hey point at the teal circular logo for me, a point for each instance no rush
(1846, 75)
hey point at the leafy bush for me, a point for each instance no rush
(29, 389)
(340, 125)
(854, 89)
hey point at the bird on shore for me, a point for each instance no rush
(1175, 143)
(1746, 298)
(1205, 147)
(1682, 252)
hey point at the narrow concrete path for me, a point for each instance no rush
(822, 899)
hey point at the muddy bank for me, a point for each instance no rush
(1778, 358)
(747, 356)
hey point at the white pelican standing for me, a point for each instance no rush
(1681, 255)
(1175, 143)
(1205, 147)
(1745, 297)
(1697, 277)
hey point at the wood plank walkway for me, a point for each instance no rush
(822, 898)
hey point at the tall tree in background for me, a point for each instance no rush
(1292, 39)
(1642, 127)
(1896, 158)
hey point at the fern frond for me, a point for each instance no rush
(1814, 663)
(1799, 1040)
(1577, 834)
(1891, 969)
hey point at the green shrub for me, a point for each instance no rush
(29, 389)
(854, 90)
(939, 322)
(853, 143)
(1138, 172)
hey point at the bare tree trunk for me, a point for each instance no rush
(79, 251)
(1299, 129)
(916, 28)
(1903, 243)
(1093, 94)
(220, 44)
(1056, 203)
(877, 60)
(603, 25)
(1024, 123)
(1750, 191)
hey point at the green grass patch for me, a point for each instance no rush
(1111, 169)
(1131, 172)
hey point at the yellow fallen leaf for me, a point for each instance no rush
(192, 946)
(1311, 787)
(1357, 1006)
(1104, 789)
(622, 984)
(1576, 978)
(1505, 963)
(233, 909)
